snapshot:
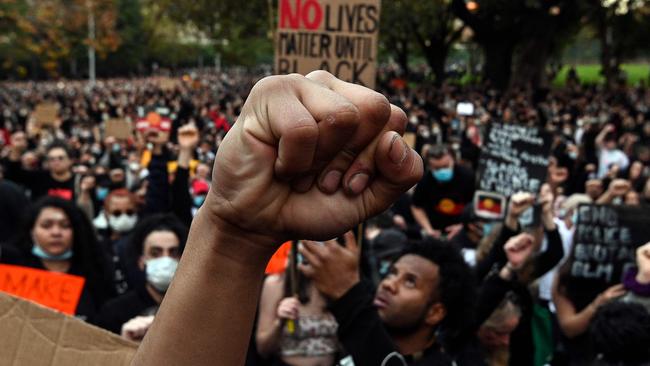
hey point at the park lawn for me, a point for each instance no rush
(590, 73)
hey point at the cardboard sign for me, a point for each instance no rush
(339, 36)
(513, 158)
(465, 109)
(55, 290)
(37, 336)
(605, 242)
(168, 83)
(118, 128)
(46, 114)
(410, 138)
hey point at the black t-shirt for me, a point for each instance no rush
(123, 308)
(40, 182)
(444, 202)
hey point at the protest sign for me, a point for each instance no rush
(605, 241)
(55, 290)
(46, 114)
(514, 158)
(118, 128)
(37, 336)
(339, 36)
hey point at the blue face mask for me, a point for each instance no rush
(38, 252)
(443, 175)
(574, 217)
(198, 200)
(101, 193)
(487, 228)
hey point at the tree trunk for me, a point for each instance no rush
(529, 71)
(436, 56)
(402, 56)
(498, 62)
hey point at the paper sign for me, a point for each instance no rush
(465, 109)
(605, 242)
(168, 84)
(489, 205)
(55, 290)
(118, 128)
(513, 158)
(46, 114)
(339, 36)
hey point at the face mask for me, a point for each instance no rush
(101, 193)
(160, 272)
(487, 228)
(134, 167)
(574, 218)
(198, 201)
(443, 175)
(573, 155)
(122, 223)
(38, 252)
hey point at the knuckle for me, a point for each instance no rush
(321, 75)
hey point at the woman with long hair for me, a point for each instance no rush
(57, 236)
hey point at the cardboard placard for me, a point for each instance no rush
(37, 336)
(168, 83)
(339, 36)
(118, 128)
(46, 114)
(55, 290)
(605, 241)
(513, 158)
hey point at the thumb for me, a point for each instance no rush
(398, 169)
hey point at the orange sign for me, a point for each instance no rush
(51, 289)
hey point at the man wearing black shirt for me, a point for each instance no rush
(57, 180)
(442, 194)
(419, 308)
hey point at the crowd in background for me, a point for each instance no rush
(116, 211)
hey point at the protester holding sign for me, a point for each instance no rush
(56, 236)
(296, 328)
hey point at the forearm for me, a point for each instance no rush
(201, 316)
(578, 323)
(605, 198)
(267, 340)
(421, 218)
(184, 157)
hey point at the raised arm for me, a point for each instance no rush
(309, 157)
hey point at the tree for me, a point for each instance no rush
(622, 27)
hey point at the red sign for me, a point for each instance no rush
(54, 290)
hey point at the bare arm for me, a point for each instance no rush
(269, 325)
(423, 220)
(272, 182)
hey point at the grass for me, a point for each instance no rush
(590, 73)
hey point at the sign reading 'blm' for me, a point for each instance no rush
(339, 36)
(606, 239)
(514, 158)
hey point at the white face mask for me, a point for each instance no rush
(122, 223)
(160, 272)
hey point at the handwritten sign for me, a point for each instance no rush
(605, 241)
(118, 128)
(339, 36)
(55, 290)
(46, 114)
(514, 158)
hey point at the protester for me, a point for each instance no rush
(56, 236)
(295, 327)
(441, 196)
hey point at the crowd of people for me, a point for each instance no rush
(426, 282)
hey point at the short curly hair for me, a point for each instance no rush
(456, 289)
(620, 331)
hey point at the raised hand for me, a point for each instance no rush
(310, 157)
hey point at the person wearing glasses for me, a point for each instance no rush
(56, 179)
